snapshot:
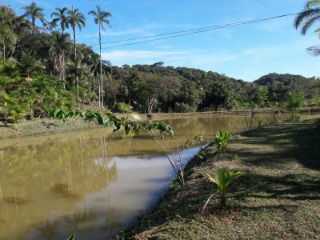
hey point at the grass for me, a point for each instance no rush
(278, 198)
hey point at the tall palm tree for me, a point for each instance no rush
(100, 17)
(34, 12)
(60, 16)
(75, 19)
(60, 45)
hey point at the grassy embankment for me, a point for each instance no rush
(278, 198)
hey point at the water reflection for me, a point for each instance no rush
(90, 183)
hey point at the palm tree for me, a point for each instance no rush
(314, 50)
(78, 70)
(75, 19)
(7, 38)
(34, 12)
(222, 177)
(308, 17)
(60, 45)
(30, 64)
(60, 16)
(96, 70)
(100, 17)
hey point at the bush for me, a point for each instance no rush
(124, 108)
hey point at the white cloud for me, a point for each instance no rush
(191, 58)
(139, 56)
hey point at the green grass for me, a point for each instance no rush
(278, 198)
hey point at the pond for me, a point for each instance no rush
(92, 183)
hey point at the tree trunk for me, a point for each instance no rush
(223, 198)
(63, 71)
(74, 44)
(4, 50)
(100, 63)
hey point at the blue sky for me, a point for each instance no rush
(243, 52)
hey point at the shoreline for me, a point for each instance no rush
(45, 126)
(268, 192)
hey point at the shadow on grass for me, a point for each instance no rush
(298, 141)
(188, 201)
(291, 186)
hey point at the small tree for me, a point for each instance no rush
(296, 100)
(124, 108)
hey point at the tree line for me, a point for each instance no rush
(43, 67)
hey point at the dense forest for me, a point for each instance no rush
(42, 67)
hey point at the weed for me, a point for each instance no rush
(221, 140)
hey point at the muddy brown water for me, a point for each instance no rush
(92, 183)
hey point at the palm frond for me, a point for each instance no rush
(312, 3)
(314, 50)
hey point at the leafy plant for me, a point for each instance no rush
(296, 100)
(123, 107)
(222, 177)
(129, 126)
(72, 237)
(197, 139)
(221, 140)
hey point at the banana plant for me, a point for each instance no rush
(222, 177)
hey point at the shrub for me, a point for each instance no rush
(124, 108)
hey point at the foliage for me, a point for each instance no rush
(222, 177)
(37, 51)
(111, 120)
(221, 140)
(16, 111)
(311, 14)
(124, 107)
(28, 99)
(129, 126)
(72, 237)
(296, 100)
(197, 139)
(100, 17)
(306, 19)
